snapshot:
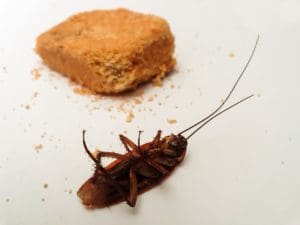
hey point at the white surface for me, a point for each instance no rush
(242, 169)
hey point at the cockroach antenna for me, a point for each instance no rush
(218, 114)
(87, 150)
(207, 118)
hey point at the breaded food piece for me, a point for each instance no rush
(109, 51)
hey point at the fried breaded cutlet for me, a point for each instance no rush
(109, 51)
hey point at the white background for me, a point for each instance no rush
(242, 169)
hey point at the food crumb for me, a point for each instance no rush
(150, 99)
(45, 185)
(172, 121)
(43, 135)
(139, 93)
(231, 55)
(70, 191)
(27, 107)
(130, 116)
(172, 86)
(259, 95)
(7, 200)
(35, 73)
(4, 69)
(43, 199)
(38, 147)
(34, 95)
(82, 91)
(157, 82)
(137, 101)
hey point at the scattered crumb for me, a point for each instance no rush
(150, 99)
(38, 147)
(66, 178)
(7, 200)
(43, 199)
(172, 86)
(70, 191)
(137, 101)
(282, 162)
(160, 104)
(43, 135)
(45, 185)
(34, 95)
(82, 91)
(258, 94)
(172, 121)
(157, 82)
(129, 117)
(121, 107)
(95, 153)
(231, 55)
(4, 69)
(36, 73)
(27, 107)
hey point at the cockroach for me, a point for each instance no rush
(142, 166)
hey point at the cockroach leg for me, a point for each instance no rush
(133, 187)
(127, 143)
(169, 152)
(156, 139)
(139, 139)
(87, 150)
(166, 162)
(156, 166)
(113, 183)
(100, 154)
(107, 176)
(110, 155)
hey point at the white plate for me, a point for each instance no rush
(243, 168)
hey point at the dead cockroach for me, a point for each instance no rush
(143, 166)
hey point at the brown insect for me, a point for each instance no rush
(143, 166)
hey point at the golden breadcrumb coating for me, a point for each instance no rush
(109, 51)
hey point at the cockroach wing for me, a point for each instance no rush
(97, 193)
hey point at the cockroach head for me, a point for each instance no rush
(176, 143)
